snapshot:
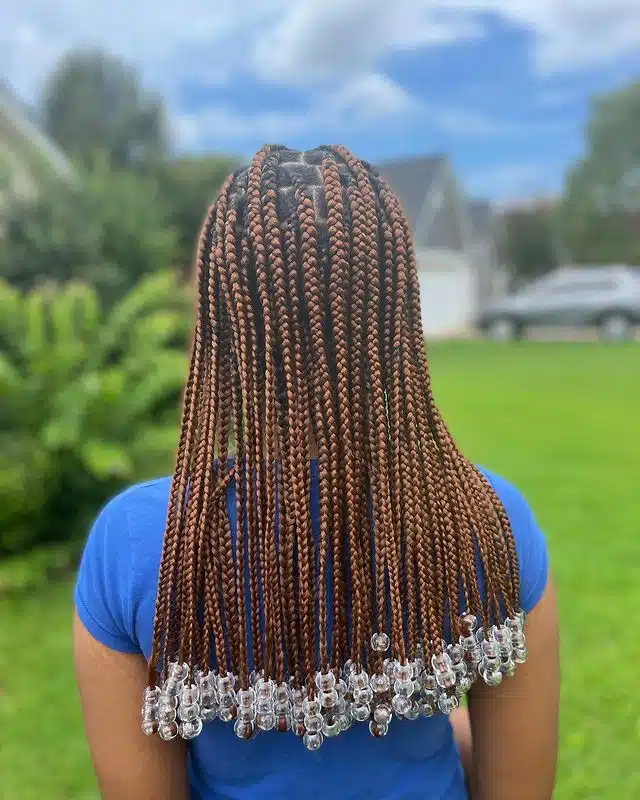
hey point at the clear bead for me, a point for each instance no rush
(413, 712)
(312, 741)
(426, 709)
(172, 687)
(491, 677)
(429, 681)
(297, 712)
(331, 727)
(400, 704)
(402, 672)
(380, 683)
(189, 713)
(514, 624)
(282, 709)
(167, 701)
(225, 684)
(491, 648)
(149, 727)
(378, 729)
(208, 714)
(191, 729)
(166, 715)
(403, 688)
(480, 636)
(440, 662)
(388, 666)
(430, 695)
(361, 712)
(362, 696)
(266, 722)
(382, 713)
(227, 713)
(518, 640)
(149, 713)
(490, 664)
(341, 688)
(247, 714)
(329, 700)
(255, 676)
(297, 696)
(311, 707)
(447, 703)
(207, 682)
(313, 723)
(189, 695)
(151, 695)
(177, 671)
(460, 668)
(358, 680)
(508, 668)
(325, 681)
(246, 698)
(380, 642)
(464, 685)
(243, 729)
(264, 705)
(168, 731)
(345, 720)
(455, 653)
(468, 643)
(417, 668)
(446, 680)
(520, 655)
(348, 668)
(208, 699)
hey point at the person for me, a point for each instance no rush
(301, 610)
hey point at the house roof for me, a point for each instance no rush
(411, 179)
(22, 120)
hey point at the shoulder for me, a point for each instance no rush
(531, 546)
(121, 553)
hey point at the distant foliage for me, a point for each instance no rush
(188, 186)
(600, 212)
(109, 229)
(89, 401)
(94, 101)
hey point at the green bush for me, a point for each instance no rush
(89, 401)
(108, 228)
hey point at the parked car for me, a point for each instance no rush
(605, 297)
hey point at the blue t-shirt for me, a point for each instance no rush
(115, 596)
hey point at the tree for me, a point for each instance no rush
(600, 212)
(188, 185)
(528, 243)
(94, 101)
(109, 228)
(90, 401)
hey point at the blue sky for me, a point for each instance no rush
(502, 86)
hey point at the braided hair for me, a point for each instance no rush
(308, 363)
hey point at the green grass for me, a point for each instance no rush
(562, 421)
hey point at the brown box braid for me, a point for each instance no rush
(308, 341)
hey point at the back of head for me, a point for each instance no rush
(309, 365)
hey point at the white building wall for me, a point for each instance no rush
(448, 293)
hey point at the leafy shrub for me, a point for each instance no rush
(89, 401)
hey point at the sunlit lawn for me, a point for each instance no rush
(563, 423)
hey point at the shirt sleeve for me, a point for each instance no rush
(531, 547)
(103, 587)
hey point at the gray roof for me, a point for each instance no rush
(23, 121)
(410, 179)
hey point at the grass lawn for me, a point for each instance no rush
(562, 421)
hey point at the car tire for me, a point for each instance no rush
(616, 327)
(502, 329)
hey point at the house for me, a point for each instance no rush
(455, 242)
(26, 152)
